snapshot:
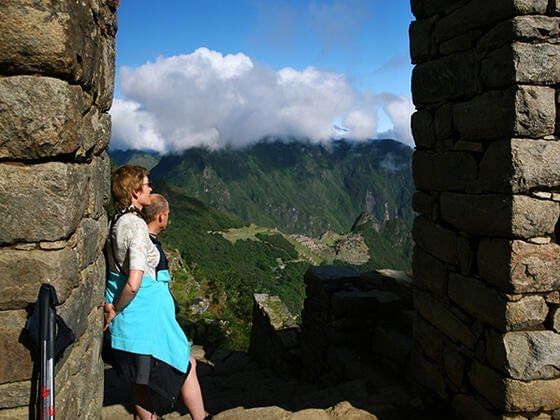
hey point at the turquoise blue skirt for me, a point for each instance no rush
(147, 325)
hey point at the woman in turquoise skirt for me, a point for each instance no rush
(149, 347)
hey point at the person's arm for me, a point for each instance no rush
(128, 293)
(137, 250)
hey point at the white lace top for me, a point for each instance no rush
(131, 246)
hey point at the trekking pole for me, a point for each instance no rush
(46, 341)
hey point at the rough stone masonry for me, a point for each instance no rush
(487, 168)
(56, 86)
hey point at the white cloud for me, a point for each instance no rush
(208, 99)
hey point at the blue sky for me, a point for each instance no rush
(363, 42)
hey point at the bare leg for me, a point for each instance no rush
(142, 405)
(192, 395)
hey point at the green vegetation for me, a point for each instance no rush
(238, 219)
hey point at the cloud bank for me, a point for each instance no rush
(208, 99)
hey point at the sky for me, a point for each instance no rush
(230, 72)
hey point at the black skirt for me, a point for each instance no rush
(164, 380)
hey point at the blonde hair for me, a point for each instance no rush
(126, 180)
(158, 204)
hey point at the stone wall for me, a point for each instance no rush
(487, 169)
(355, 325)
(275, 341)
(56, 86)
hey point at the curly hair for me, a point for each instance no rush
(126, 180)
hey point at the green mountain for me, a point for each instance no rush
(298, 187)
(220, 257)
(135, 157)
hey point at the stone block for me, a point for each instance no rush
(42, 202)
(443, 122)
(467, 407)
(530, 28)
(442, 243)
(519, 165)
(439, 315)
(459, 43)
(454, 365)
(80, 376)
(480, 13)
(99, 188)
(423, 203)
(514, 216)
(23, 272)
(95, 132)
(526, 355)
(427, 374)
(89, 240)
(423, 129)
(429, 272)
(486, 304)
(443, 171)
(40, 117)
(20, 413)
(519, 111)
(70, 40)
(450, 77)
(88, 296)
(429, 338)
(556, 319)
(519, 267)
(421, 44)
(513, 395)
(16, 363)
(522, 63)
(14, 394)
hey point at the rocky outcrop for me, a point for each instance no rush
(485, 264)
(57, 65)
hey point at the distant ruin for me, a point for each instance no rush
(486, 289)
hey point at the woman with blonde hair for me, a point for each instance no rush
(150, 350)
